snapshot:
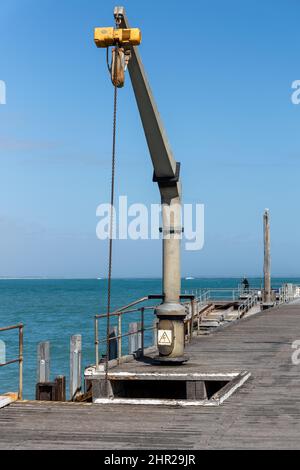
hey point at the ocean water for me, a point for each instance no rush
(53, 310)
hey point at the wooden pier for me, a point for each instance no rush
(263, 414)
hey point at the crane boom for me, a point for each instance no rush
(161, 154)
(171, 313)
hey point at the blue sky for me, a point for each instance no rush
(221, 73)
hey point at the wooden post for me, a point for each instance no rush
(60, 382)
(133, 345)
(43, 362)
(45, 391)
(113, 344)
(267, 258)
(51, 391)
(75, 365)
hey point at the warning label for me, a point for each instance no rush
(165, 337)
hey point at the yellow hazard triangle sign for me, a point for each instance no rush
(165, 337)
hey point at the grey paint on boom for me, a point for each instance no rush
(267, 258)
(160, 151)
(170, 189)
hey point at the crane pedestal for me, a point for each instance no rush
(171, 336)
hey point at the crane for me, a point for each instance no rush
(171, 312)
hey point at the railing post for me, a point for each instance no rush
(75, 365)
(20, 395)
(120, 336)
(96, 343)
(43, 362)
(191, 321)
(143, 330)
(155, 325)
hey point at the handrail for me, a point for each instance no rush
(132, 304)
(248, 304)
(19, 360)
(214, 294)
(119, 313)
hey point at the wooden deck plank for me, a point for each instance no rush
(264, 413)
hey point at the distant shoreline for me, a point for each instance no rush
(136, 278)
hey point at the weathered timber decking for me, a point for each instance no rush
(264, 413)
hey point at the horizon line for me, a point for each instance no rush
(88, 278)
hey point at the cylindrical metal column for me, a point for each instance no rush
(171, 313)
(172, 229)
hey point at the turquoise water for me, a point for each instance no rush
(53, 310)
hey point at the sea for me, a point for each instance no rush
(55, 309)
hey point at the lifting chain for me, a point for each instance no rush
(114, 72)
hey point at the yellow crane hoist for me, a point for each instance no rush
(122, 39)
(106, 37)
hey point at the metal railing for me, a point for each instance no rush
(120, 335)
(20, 358)
(203, 297)
(288, 293)
(217, 294)
(249, 302)
(140, 332)
(230, 294)
(193, 302)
